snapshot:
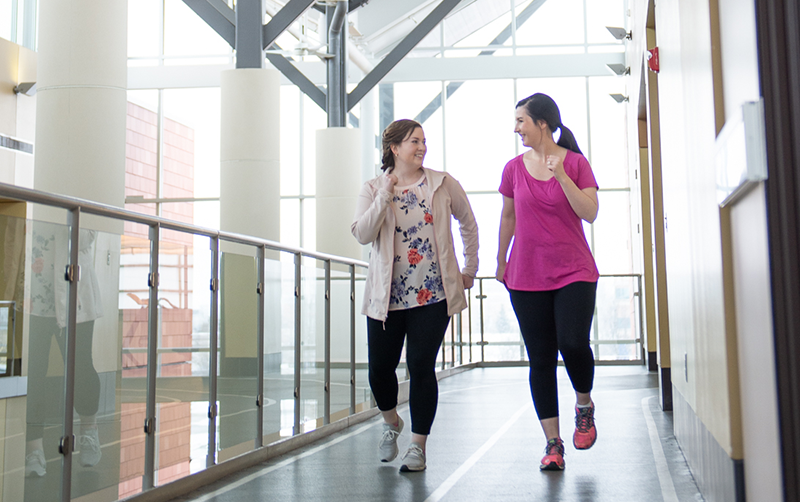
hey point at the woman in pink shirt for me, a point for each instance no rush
(551, 274)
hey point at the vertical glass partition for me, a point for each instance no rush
(182, 390)
(237, 386)
(278, 319)
(35, 281)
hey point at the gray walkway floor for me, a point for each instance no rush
(485, 445)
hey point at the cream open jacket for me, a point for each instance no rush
(374, 223)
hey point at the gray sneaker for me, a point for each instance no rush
(413, 459)
(89, 443)
(387, 447)
(35, 464)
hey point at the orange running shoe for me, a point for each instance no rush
(553, 459)
(585, 431)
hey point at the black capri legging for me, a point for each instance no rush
(425, 327)
(553, 321)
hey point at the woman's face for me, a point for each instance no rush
(529, 131)
(412, 150)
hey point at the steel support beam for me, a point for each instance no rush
(249, 30)
(218, 16)
(283, 19)
(297, 77)
(336, 96)
(400, 51)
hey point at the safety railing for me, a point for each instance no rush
(183, 377)
(488, 331)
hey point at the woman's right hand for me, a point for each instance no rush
(501, 270)
(388, 182)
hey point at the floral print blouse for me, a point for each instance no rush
(416, 278)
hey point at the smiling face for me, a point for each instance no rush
(411, 151)
(532, 133)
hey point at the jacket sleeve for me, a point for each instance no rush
(371, 209)
(462, 211)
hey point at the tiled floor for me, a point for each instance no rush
(485, 445)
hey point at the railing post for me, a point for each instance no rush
(298, 339)
(148, 480)
(481, 297)
(469, 322)
(260, 285)
(213, 332)
(72, 275)
(639, 319)
(352, 339)
(326, 417)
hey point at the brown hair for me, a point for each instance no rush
(394, 134)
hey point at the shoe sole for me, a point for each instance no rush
(406, 468)
(552, 466)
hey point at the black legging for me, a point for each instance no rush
(41, 407)
(553, 321)
(425, 327)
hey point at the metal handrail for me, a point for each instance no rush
(75, 208)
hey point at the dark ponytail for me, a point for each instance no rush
(542, 107)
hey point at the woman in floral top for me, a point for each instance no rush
(414, 283)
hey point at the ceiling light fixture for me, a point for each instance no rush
(619, 69)
(619, 98)
(619, 33)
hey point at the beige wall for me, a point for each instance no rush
(700, 347)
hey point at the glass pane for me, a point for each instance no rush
(554, 23)
(185, 34)
(363, 391)
(6, 19)
(570, 96)
(610, 235)
(422, 101)
(494, 317)
(609, 133)
(37, 281)
(238, 343)
(617, 320)
(182, 333)
(312, 381)
(340, 344)
(144, 25)
(476, 155)
(277, 386)
(314, 118)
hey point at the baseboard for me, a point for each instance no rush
(719, 477)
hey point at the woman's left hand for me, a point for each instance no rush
(468, 281)
(556, 166)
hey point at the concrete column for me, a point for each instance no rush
(80, 144)
(338, 184)
(249, 204)
(81, 100)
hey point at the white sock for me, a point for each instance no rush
(580, 406)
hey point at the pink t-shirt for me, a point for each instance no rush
(550, 248)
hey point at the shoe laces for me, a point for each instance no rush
(389, 435)
(414, 450)
(554, 446)
(584, 419)
(88, 440)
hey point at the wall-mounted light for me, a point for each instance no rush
(619, 33)
(619, 69)
(619, 98)
(26, 88)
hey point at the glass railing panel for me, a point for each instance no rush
(363, 392)
(133, 264)
(615, 330)
(238, 355)
(495, 332)
(341, 343)
(312, 356)
(279, 386)
(278, 328)
(34, 278)
(184, 264)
